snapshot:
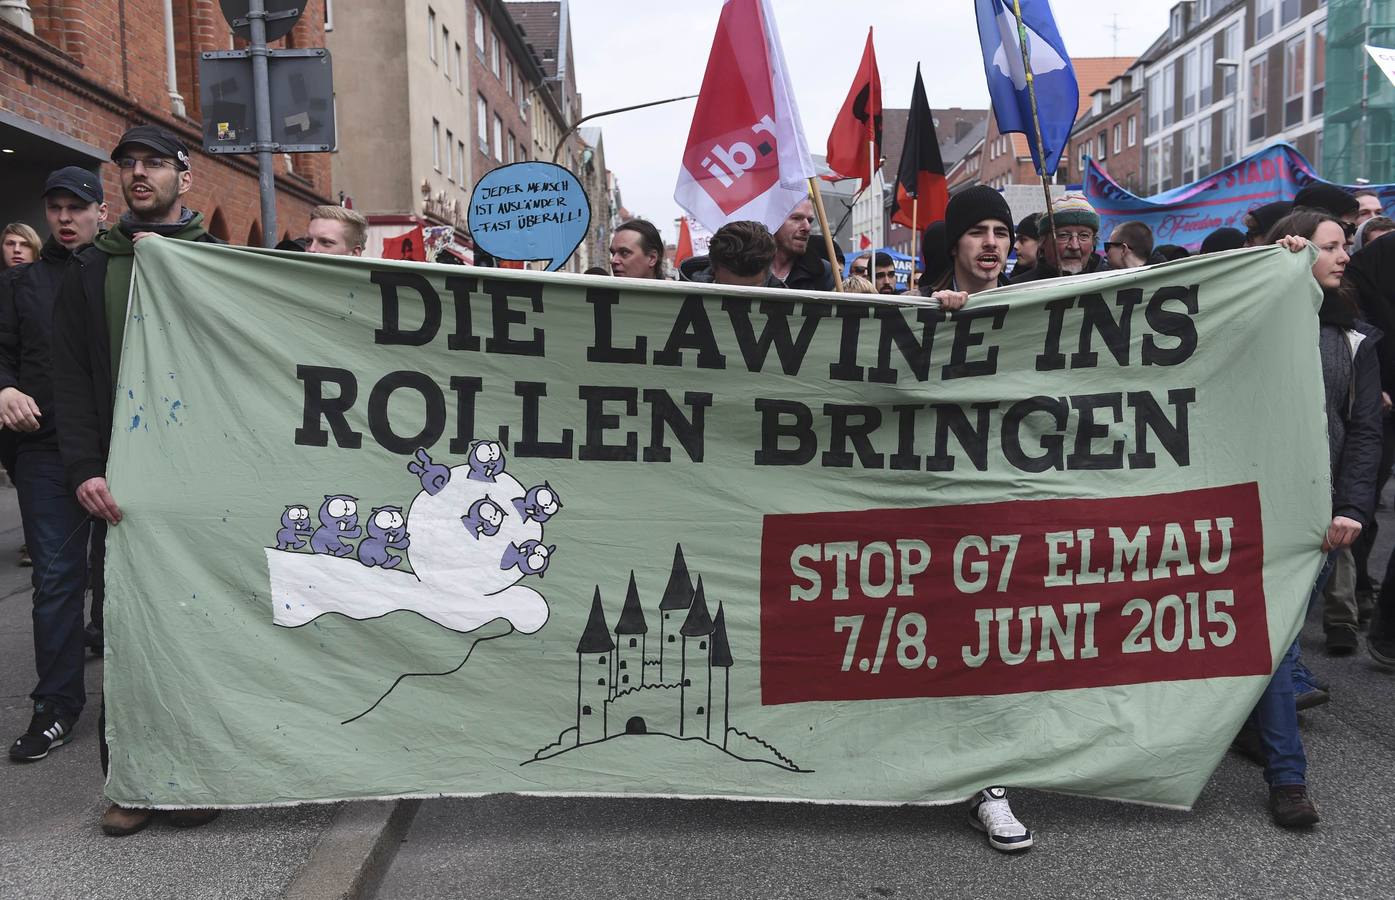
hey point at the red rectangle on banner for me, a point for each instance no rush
(1013, 597)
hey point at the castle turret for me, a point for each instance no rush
(696, 674)
(678, 596)
(630, 636)
(721, 659)
(593, 675)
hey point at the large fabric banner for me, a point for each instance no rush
(1186, 215)
(405, 530)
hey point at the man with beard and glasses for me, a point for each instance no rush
(1071, 249)
(88, 327)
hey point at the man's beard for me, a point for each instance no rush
(1072, 266)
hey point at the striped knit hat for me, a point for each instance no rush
(1070, 209)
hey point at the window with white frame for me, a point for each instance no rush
(512, 145)
(1116, 90)
(1178, 22)
(1204, 10)
(482, 123)
(508, 75)
(1319, 68)
(1264, 18)
(1189, 83)
(1208, 74)
(329, 15)
(436, 144)
(459, 77)
(1166, 162)
(494, 53)
(498, 138)
(1154, 102)
(1295, 79)
(522, 100)
(1133, 130)
(1228, 136)
(1102, 146)
(1259, 86)
(1188, 155)
(1231, 74)
(479, 31)
(1097, 103)
(1084, 156)
(1289, 11)
(450, 155)
(1118, 137)
(1154, 158)
(1203, 147)
(460, 160)
(431, 32)
(1169, 83)
(445, 50)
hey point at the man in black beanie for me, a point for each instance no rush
(1259, 220)
(934, 257)
(1330, 199)
(978, 236)
(1027, 243)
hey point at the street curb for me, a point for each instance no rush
(355, 852)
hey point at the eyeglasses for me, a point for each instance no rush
(153, 162)
(1109, 245)
(860, 270)
(1083, 238)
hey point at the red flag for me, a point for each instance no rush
(856, 139)
(411, 245)
(746, 157)
(864, 243)
(921, 191)
(685, 243)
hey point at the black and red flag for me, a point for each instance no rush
(921, 192)
(855, 143)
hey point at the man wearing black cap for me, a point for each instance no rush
(56, 528)
(978, 234)
(88, 326)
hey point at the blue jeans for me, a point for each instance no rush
(1275, 717)
(56, 529)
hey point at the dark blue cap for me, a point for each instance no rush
(75, 180)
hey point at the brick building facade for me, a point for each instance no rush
(1110, 132)
(88, 71)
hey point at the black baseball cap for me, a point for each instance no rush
(153, 137)
(77, 181)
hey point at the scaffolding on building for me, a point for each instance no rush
(1358, 135)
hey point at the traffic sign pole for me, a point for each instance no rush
(261, 96)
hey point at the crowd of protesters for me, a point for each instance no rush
(62, 312)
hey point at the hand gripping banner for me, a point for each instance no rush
(394, 529)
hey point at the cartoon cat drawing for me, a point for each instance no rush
(338, 523)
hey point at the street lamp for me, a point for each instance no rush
(1225, 63)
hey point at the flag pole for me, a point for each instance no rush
(827, 235)
(1036, 122)
(915, 234)
(871, 173)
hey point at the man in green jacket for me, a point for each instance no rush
(89, 323)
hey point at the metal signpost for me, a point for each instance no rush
(266, 101)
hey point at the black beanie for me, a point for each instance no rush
(1223, 239)
(1027, 228)
(1268, 215)
(1327, 197)
(969, 207)
(932, 252)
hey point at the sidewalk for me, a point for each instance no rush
(52, 847)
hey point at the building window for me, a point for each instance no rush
(633, 642)
(1188, 155)
(1084, 158)
(494, 53)
(1319, 68)
(670, 639)
(1264, 19)
(436, 144)
(1166, 163)
(1154, 102)
(512, 146)
(586, 710)
(1228, 136)
(700, 710)
(479, 31)
(624, 679)
(522, 100)
(431, 32)
(1259, 83)
(1289, 11)
(1203, 11)
(600, 681)
(1154, 180)
(1203, 148)
(460, 161)
(1230, 74)
(450, 155)
(1169, 95)
(508, 75)
(1116, 91)
(624, 664)
(482, 122)
(329, 15)
(1178, 22)
(498, 138)
(1295, 79)
(1118, 138)
(1189, 83)
(459, 81)
(1102, 146)
(1208, 74)
(445, 49)
(1133, 130)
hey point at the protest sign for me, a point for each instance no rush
(405, 530)
(530, 210)
(1186, 215)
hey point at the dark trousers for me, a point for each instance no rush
(96, 562)
(57, 531)
(1361, 550)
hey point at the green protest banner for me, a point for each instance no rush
(394, 529)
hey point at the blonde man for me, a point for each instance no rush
(337, 231)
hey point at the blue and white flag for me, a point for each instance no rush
(1057, 94)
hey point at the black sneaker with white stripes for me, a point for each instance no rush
(47, 729)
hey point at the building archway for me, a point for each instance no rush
(254, 234)
(636, 726)
(218, 226)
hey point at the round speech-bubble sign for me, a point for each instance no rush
(530, 210)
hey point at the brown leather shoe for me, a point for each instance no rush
(119, 821)
(191, 818)
(1291, 806)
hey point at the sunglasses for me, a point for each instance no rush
(860, 270)
(1108, 245)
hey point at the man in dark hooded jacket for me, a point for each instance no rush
(88, 327)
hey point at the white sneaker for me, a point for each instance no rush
(990, 813)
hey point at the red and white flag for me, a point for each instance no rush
(746, 156)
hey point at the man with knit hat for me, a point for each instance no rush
(1330, 199)
(977, 238)
(89, 323)
(1070, 250)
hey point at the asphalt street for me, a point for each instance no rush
(516, 847)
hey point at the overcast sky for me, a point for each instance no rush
(631, 51)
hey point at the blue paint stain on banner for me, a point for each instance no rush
(1186, 215)
(528, 211)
